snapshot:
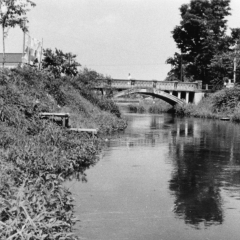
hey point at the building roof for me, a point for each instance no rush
(11, 58)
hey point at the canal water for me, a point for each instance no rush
(164, 178)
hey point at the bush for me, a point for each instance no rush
(104, 103)
(158, 106)
(39, 209)
(136, 108)
(226, 100)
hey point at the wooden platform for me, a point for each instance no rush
(55, 114)
(57, 117)
(88, 130)
(63, 118)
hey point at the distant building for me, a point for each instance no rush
(11, 59)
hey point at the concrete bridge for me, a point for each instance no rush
(172, 92)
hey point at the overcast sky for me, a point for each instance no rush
(113, 37)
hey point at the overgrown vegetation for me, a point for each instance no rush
(224, 103)
(38, 155)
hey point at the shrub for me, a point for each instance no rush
(39, 209)
(226, 100)
(158, 106)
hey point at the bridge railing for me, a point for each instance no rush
(161, 85)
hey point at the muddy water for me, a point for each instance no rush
(163, 178)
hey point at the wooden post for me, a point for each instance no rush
(64, 121)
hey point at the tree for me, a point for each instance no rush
(60, 63)
(13, 13)
(222, 67)
(202, 34)
(89, 78)
(179, 69)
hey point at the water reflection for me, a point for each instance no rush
(196, 191)
(201, 158)
(164, 178)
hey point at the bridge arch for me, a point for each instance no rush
(173, 100)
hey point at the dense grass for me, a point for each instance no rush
(38, 155)
(224, 103)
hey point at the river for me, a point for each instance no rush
(164, 178)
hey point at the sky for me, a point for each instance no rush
(112, 37)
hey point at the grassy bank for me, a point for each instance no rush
(38, 155)
(152, 106)
(224, 103)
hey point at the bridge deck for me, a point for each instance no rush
(161, 85)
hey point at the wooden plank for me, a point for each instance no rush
(92, 130)
(54, 114)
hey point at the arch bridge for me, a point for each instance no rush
(172, 92)
(171, 99)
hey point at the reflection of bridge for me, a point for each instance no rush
(171, 92)
(183, 132)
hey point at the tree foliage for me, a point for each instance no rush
(13, 13)
(180, 66)
(90, 77)
(59, 63)
(200, 36)
(222, 64)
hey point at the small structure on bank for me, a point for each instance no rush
(63, 120)
(11, 59)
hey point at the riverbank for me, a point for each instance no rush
(222, 104)
(37, 155)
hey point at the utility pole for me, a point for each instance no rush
(40, 61)
(24, 34)
(181, 70)
(3, 13)
(235, 63)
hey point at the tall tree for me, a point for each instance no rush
(60, 63)
(13, 13)
(202, 34)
